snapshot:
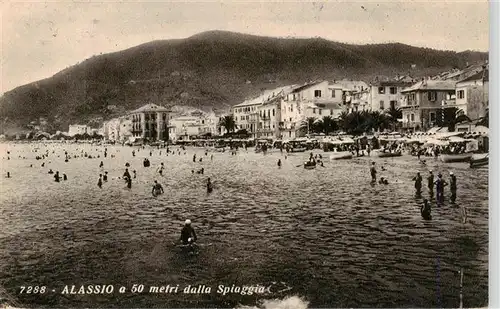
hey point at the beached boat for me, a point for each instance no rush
(388, 154)
(341, 155)
(479, 160)
(309, 165)
(449, 158)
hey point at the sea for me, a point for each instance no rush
(316, 238)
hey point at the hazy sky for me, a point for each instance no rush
(41, 38)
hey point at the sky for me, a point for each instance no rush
(38, 39)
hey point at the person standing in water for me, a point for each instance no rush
(102, 164)
(105, 177)
(99, 182)
(418, 184)
(129, 182)
(430, 183)
(194, 158)
(373, 172)
(279, 163)
(157, 189)
(65, 177)
(209, 186)
(57, 177)
(453, 187)
(440, 184)
(126, 174)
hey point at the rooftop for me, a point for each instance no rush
(482, 75)
(266, 95)
(150, 108)
(423, 85)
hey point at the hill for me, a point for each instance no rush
(214, 69)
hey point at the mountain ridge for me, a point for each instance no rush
(209, 70)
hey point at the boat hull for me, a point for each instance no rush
(388, 154)
(477, 161)
(297, 150)
(341, 156)
(456, 158)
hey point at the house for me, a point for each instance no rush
(254, 115)
(150, 122)
(426, 103)
(472, 95)
(386, 94)
(75, 129)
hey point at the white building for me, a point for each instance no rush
(75, 129)
(192, 126)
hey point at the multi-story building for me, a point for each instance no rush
(386, 94)
(192, 126)
(472, 95)
(426, 103)
(75, 129)
(247, 115)
(150, 122)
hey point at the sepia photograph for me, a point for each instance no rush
(250, 155)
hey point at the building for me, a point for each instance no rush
(426, 103)
(386, 94)
(75, 129)
(247, 115)
(117, 129)
(361, 101)
(472, 95)
(150, 122)
(194, 125)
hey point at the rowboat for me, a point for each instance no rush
(479, 160)
(309, 165)
(449, 158)
(341, 155)
(388, 154)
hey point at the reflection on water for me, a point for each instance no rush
(325, 235)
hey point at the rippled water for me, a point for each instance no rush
(325, 235)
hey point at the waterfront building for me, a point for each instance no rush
(426, 104)
(75, 129)
(253, 115)
(150, 122)
(386, 94)
(472, 95)
(194, 125)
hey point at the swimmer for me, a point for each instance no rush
(425, 210)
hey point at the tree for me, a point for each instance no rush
(485, 121)
(327, 125)
(309, 125)
(393, 114)
(228, 123)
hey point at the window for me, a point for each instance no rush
(314, 111)
(381, 90)
(317, 93)
(273, 111)
(432, 117)
(412, 117)
(290, 119)
(319, 111)
(393, 90)
(333, 93)
(393, 104)
(432, 95)
(331, 112)
(382, 105)
(461, 94)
